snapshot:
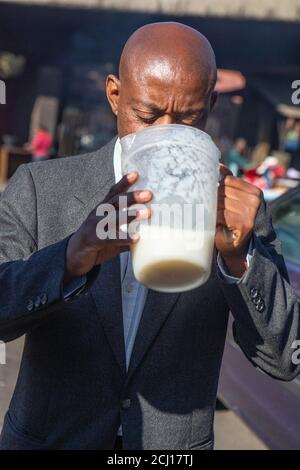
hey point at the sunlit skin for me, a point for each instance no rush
(167, 75)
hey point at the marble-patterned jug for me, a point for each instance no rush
(180, 165)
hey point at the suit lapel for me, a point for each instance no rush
(157, 308)
(106, 289)
(106, 292)
(98, 176)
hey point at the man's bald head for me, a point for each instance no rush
(161, 47)
(168, 68)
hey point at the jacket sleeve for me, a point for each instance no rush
(264, 306)
(30, 279)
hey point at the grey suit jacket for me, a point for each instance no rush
(73, 390)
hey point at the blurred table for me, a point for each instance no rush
(10, 159)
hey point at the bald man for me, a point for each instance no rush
(107, 363)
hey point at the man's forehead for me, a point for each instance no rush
(163, 82)
(176, 68)
(157, 93)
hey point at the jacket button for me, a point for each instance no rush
(254, 293)
(44, 299)
(257, 300)
(260, 306)
(126, 403)
(30, 305)
(37, 302)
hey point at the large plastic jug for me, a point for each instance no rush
(180, 165)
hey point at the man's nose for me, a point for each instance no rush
(166, 119)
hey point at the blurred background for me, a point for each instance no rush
(54, 57)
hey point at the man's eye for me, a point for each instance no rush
(147, 120)
(193, 120)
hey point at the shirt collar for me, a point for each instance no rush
(117, 160)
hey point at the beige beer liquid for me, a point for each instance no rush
(170, 260)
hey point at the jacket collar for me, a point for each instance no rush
(98, 175)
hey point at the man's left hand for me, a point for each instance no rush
(238, 203)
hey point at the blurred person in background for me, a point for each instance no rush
(237, 162)
(291, 138)
(265, 174)
(41, 145)
(292, 146)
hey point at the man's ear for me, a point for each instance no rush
(113, 92)
(213, 99)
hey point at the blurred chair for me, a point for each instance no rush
(10, 159)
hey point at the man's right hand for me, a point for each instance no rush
(85, 249)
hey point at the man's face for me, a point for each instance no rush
(160, 95)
